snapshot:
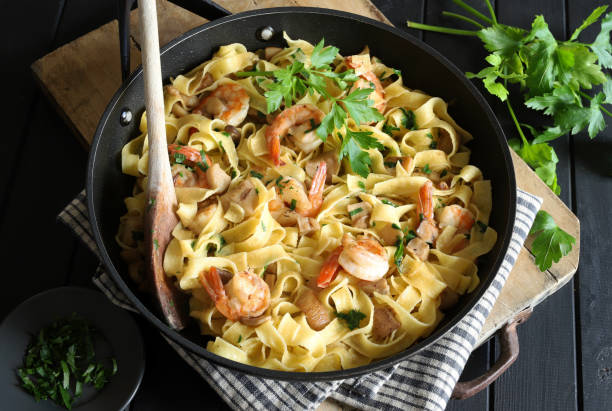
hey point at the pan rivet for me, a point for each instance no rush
(126, 117)
(266, 33)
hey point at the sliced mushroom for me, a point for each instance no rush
(233, 132)
(384, 323)
(369, 287)
(307, 225)
(333, 166)
(243, 194)
(217, 178)
(360, 214)
(205, 212)
(317, 315)
(388, 234)
(445, 143)
(418, 248)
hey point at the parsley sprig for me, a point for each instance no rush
(291, 83)
(554, 77)
(351, 318)
(60, 359)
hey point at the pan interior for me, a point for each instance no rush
(422, 68)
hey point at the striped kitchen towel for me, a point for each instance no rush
(425, 381)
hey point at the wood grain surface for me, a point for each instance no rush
(565, 347)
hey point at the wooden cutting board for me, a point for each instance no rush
(81, 77)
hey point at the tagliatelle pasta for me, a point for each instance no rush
(352, 266)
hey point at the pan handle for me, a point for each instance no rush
(205, 8)
(509, 346)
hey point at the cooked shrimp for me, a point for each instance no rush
(363, 258)
(301, 120)
(245, 296)
(292, 193)
(425, 204)
(183, 176)
(329, 269)
(368, 80)
(427, 231)
(228, 102)
(333, 165)
(456, 216)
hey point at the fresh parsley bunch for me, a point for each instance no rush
(554, 77)
(291, 83)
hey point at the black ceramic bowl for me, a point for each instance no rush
(422, 67)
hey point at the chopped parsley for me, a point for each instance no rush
(193, 244)
(443, 173)
(399, 252)
(226, 134)
(181, 174)
(151, 204)
(351, 318)
(389, 129)
(409, 119)
(221, 145)
(155, 244)
(355, 211)
(256, 174)
(361, 185)
(410, 235)
(426, 169)
(293, 204)
(179, 157)
(421, 217)
(481, 226)
(222, 242)
(263, 227)
(278, 180)
(387, 202)
(233, 173)
(397, 227)
(61, 359)
(433, 145)
(390, 164)
(239, 338)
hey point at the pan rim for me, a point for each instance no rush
(195, 349)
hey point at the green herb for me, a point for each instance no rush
(193, 244)
(433, 145)
(240, 336)
(60, 359)
(399, 252)
(390, 164)
(233, 173)
(421, 217)
(482, 227)
(397, 72)
(429, 135)
(552, 75)
(397, 227)
(226, 134)
(263, 227)
(351, 318)
(352, 145)
(388, 129)
(278, 180)
(426, 169)
(355, 211)
(221, 146)
(409, 119)
(387, 202)
(293, 204)
(551, 242)
(151, 204)
(443, 173)
(179, 158)
(409, 235)
(155, 244)
(361, 185)
(294, 81)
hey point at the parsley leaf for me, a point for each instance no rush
(322, 57)
(551, 242)
(352, 144)
(399, 252)
(360, 107)
(352, 318)
(601, 46)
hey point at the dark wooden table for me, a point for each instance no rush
(566, 347)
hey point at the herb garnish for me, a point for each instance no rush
(399, 252)
(481, 226)
(409, 119)
(426, 169)
(361, 185)
(387, 202)
(551, 243)
(355, 211)
(179, 158)
(60, 359)
(293, 204)
(351, 318)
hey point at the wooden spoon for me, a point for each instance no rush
(160, 217)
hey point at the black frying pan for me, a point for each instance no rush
(422, 67)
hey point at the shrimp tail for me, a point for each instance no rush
(425, 206)
(211, 281)
(315, 195)
(274, 148)
(329, 268)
